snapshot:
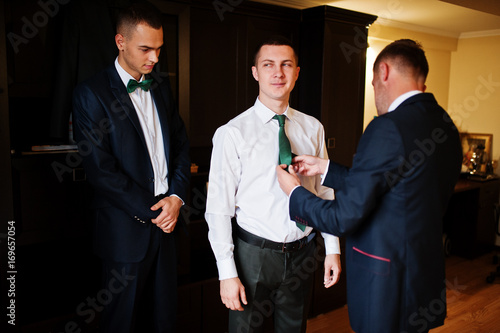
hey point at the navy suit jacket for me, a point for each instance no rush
(117, 162)
(389, 206)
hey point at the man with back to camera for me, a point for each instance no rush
(135, 154)
(266, 271)
(390, 204)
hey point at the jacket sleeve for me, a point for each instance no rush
(357, 189)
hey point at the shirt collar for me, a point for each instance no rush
(124, 75)
(265, 114)
(403, 98)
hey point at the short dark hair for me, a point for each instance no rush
(278, 41)
(137, 13)
(408, 54)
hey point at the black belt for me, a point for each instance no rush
(265, 243)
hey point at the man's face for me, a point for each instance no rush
(140, 50)
(276, 71)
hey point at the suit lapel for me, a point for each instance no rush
(123, 103)
(161, 109)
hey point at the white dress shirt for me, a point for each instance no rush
(243, 181)
(148, 117)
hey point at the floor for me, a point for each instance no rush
(473, 303)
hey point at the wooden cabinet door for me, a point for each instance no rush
(221, 57)
(333, 54)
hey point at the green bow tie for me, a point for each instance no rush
(133, 85)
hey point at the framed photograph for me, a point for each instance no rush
(476, 146)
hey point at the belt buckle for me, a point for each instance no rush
(291, 247)
(283, 247)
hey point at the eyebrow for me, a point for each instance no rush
(270, 60)
(150, 47)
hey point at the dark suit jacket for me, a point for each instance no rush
(389, 206)
(117, 162)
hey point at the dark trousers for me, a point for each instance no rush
(277, 285)
(143, 295)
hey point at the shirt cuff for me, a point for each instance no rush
(227, 269)
(175, 195)
(323, 176)
(332, 244)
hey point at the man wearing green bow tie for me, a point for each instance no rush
(135, 154)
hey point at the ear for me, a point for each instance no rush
(383, 71)
(297, 76)
(120, 41)
(421, 83)
(255, 73)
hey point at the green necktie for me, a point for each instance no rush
(133, 85)
(285, 151)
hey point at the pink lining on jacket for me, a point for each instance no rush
(371, 255)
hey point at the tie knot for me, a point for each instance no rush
(132, 85)
(281, 119)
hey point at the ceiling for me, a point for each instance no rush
(453, 18)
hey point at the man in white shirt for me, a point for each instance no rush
(267, 269)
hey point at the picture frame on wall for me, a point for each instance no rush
(476, 148)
